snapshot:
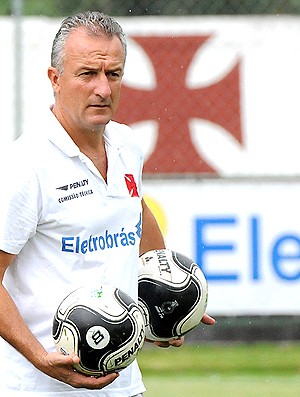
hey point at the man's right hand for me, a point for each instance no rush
(61, 368)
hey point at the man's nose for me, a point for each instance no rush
(102, 87)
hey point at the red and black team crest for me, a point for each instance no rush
(131, 185)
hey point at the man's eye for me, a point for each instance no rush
(87, 73)
(114, 75)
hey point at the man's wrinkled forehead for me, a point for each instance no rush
(83, 43)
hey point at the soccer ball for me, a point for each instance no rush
(102, 325)
(172, 294)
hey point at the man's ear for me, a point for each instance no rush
(53, 75)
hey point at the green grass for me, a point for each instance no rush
(222, 386)
(232, 370)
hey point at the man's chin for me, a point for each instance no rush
(98, 122)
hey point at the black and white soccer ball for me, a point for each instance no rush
(172, 294)
(102, 325)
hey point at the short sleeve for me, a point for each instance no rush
(20, 204)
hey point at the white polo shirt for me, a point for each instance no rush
(68, 228)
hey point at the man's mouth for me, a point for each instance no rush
(103, 105)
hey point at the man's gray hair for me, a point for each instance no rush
(96, 24)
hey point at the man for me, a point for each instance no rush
(75, 182)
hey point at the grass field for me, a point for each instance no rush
(231, 370)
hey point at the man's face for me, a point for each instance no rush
(88, 90)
